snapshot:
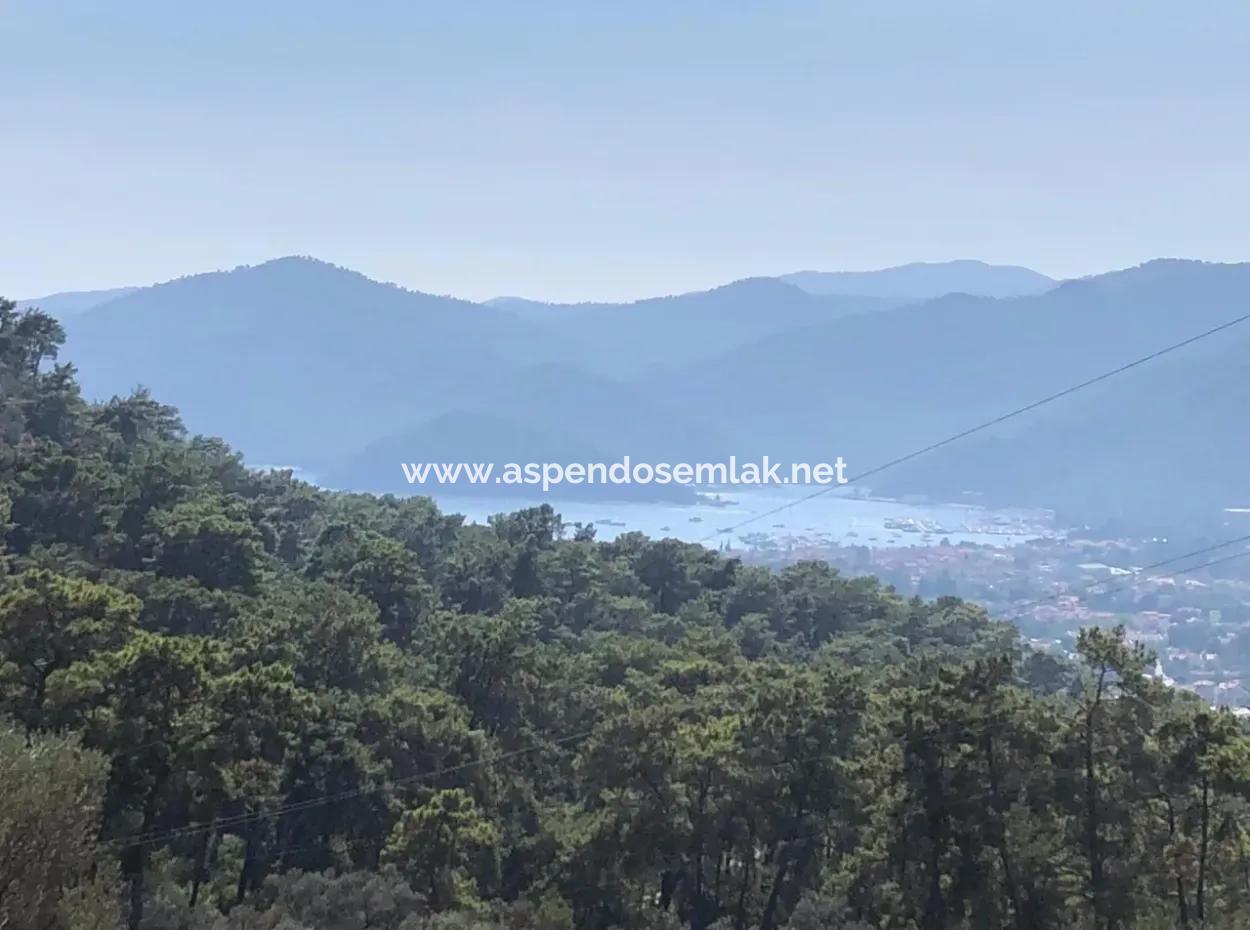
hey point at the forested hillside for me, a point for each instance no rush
(1162, 447)
(363, 375)
(335, 358)
(233, 701)
(873, 387)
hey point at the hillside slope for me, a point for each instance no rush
(873, 387)
(71, 303)
(1163, 446)
(625, 338)
(307, 364)
(298, 360)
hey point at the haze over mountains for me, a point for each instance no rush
(1151, 445)
(623, 337)
(920, 280)
(68, 304)
(298, 362)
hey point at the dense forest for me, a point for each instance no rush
(233, 701)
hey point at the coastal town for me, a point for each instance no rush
(1194, 614)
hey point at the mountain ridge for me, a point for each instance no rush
(305, 362)
(65, 304)
(294, 333)
(926, 280)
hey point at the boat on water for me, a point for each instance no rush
(914, 525)
(905, 524)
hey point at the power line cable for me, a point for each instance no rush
(1184, 571)
(1019, 411)
(161, 836)
(1037, 602)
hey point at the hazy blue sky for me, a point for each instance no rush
(592, 149)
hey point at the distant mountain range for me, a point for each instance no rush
(875, 387)
(300, 362)
(924, 280)
(297, 361)
(627, 337)
(68, 304)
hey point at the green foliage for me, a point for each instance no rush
(380, 569)
(207, 539)
(314, 711)
(48, 623)
(439, 846)
(53, 873)
(6, 509)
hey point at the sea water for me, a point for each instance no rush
(745, 517)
